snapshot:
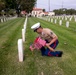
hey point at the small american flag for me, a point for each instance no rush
(38, 43)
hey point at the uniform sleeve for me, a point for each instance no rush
(51, 33)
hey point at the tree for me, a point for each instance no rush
(65, 11)
(11, 4)
(20, 5)
(44, 10)
(27, 5)
(2, 4)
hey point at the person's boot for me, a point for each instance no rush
(60, 54)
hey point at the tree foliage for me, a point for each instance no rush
(18, 5)
(11, 4)
(65, 11)
(27, 5)
(2, 4)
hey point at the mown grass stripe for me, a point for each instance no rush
(9, 25)
(61, 32)
(6, 51)
(35, 64)
(31, 68)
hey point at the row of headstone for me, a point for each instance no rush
(55, 21)
(20, 42)
(60, 22)
(67, 23)
(24, 30)
(3, 20)
(66, 18)
(6, 19)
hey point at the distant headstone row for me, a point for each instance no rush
(67, 23)
(59, 19)
(66, 18)
(4, 19)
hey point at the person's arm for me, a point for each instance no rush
(52, 41)
(51, 49)
(54, 38)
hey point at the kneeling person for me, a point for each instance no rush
(51, 40)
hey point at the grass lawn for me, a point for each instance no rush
(35, 64)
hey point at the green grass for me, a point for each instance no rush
(35, 64)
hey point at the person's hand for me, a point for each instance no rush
(31, 48)
(47, 44)
(51, 49)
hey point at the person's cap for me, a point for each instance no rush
(35, 26)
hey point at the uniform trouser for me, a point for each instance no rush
(47, 52)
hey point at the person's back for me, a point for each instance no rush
(47, 34)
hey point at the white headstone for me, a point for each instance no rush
(55, 21)
(75, 19)
(65, 18)
(23, 35)
(67, 24)
(25, 30)
(70, 19)
(60, 22)
(24, 26)
(25, 23)
(2, 20)
(20, 50)
(57, 17)
(46, 19)
(51, 20)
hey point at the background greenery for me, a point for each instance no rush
(16, 5)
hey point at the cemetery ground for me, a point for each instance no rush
(34, 63)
